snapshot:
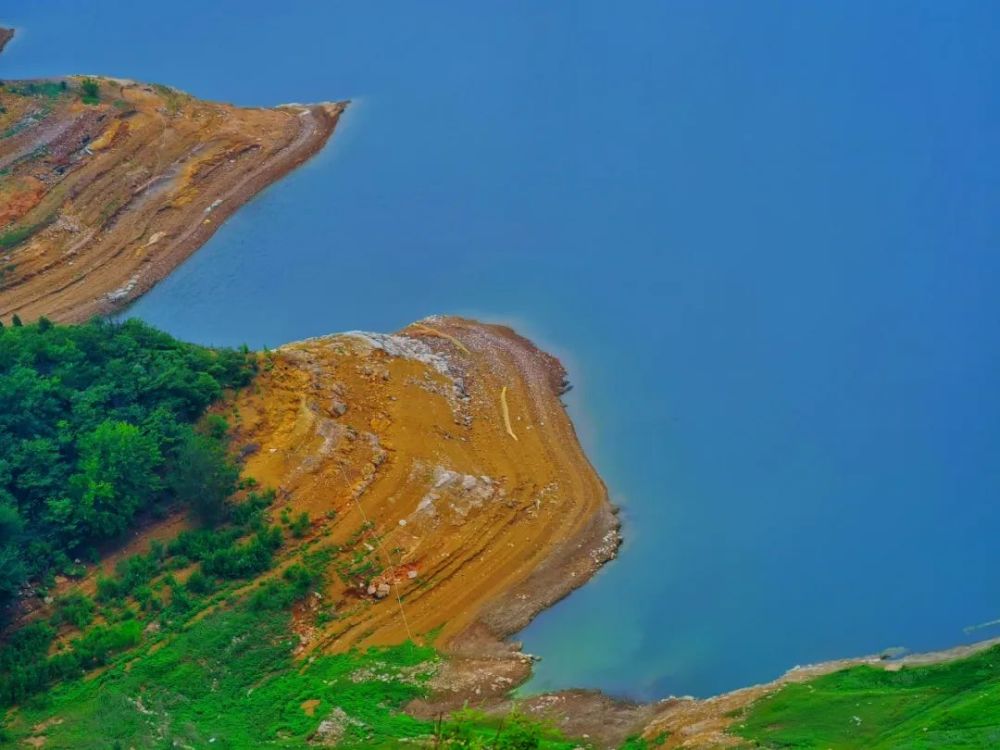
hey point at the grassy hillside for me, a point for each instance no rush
(950, 705)
(211, 663)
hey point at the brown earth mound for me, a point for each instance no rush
(397, 446)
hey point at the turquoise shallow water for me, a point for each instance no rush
(762, 237)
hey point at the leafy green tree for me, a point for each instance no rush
(12, 569)
(203, 477)
(117, 470)
(75, 609)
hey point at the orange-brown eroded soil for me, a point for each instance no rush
(99, 200)
(397, 448)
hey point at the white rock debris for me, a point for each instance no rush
(396, 345)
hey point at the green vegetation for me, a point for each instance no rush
(90, 91)
(950, 705)
(98, 427)
(25, 668)
(300, 525)
(42, 89)
(14, 237)
(75, 609)
(144, 588)
(473, 730)
(639, 743)
(228, 679)
(295, 584)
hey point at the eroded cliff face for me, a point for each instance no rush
(106, 185)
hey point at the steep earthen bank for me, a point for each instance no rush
(104, 191)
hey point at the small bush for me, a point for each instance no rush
(300, 525)
(216, 426)
(245, 560)
(75, 609)
(90, 91)
(199, 583)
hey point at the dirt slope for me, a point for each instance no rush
(476, 528)
(101, 197)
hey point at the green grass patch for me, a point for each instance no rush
(230, 681)
(951, 705)
(90, 91)
(14, 237)
(640, 743)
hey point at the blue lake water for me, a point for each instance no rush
(763, 236)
